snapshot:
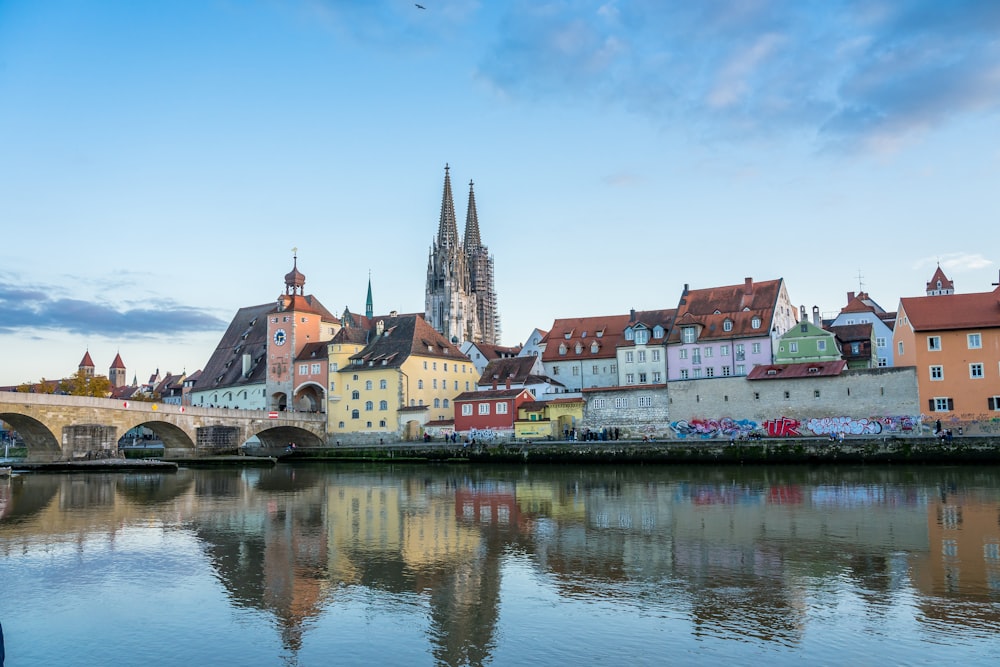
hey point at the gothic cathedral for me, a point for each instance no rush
(461, 301)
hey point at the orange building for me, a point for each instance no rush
(954, 342)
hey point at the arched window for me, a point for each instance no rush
(579, 348)
(594, 347)
(356, 394)
(368, 385)
(562, 348)
(658, 331)
(381, 424)
(420, 384)
(383, 405)
(382, 384)
(755, 323)
(727, 325)
(437, 402)
(355, 414)
(369, 406)
(446, 402)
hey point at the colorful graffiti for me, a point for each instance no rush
(483, 435)
(713, 428)
(789, 427)
(783, 427)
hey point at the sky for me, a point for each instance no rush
(160, 160)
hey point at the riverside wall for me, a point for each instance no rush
(884, 450)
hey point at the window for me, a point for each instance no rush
(381, 423)
(821, 345)
(975, 341)
(880, 341)
(355, 414)
(976, 371)
(576, 371)
(368, 385)
(696, 356)
(382, 384)
(741, 369)
(755, 323)
(641, 356)
(682, 354)
(466, 409)
(446, 367)
(594, 347)
(883, 362)
(937, 372)
(740, 352)
(303, 369)
(942, 404)
(594, 370)
(445, 402)
(629, 378)
(657, 377)
(684, 374)
(314, 369)
(369, 406)
(555, 370)
(726, 371)
(993, 402)
(934, 343)
(656, 355)
(356, 395)
(658, 331)
(420, 384)
(687, 335)
(340, 424)
(621, 403)
(579, 348)
(815, 393)
(383, 405)
(727, 325)
(723, 350)
(855, 348)
(501, 408)
(645, 401)
(642, 378)
(899, 348)
(793, 347)
(628, 357)
(641, 337)
(710, 372)
(600, 402)
(629, 335)
(562, 349)
(756, 348)
(434, 383)
(804, 328)
(697, 373)
(484, 408)
(437, 402)
(708, 352)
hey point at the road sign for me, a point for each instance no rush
(272, 415)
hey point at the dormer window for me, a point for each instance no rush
(629, 334)
(813, 369)
(804, 328)
(658, 331)
(755, 323)
(772, 371)
(568, 334)
(687, 334)
(727, 325)
(579, 348)
(594, 347)
(600, 334)
(583, 335)
(562, 348)
(641, 336)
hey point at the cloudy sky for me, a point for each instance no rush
(160, 160)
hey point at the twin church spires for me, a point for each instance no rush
(461, 300)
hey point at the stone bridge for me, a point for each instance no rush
(64, 428)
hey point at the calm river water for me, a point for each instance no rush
(353, 564)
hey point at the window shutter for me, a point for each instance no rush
(990, 404)
(930, 404)
(951, 404)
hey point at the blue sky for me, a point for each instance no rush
(159, 160)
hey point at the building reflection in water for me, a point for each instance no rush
(742, 552)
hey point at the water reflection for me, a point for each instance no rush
(747, 554)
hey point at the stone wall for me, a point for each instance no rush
(636, 412)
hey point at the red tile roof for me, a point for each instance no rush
(710, 308)
(953, 311)
(946, 283)
(797, 371)
(607, 331)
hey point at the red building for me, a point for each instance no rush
(489, 414)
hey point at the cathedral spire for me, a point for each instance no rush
(369, 307)
(472, 241)
(447, 228)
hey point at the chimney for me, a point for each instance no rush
(247, 364)
(748, 285)
(802, 313)
(508, 382)
(816, 319)
(850, 297)
(494, 382)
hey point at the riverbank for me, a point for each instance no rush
(960, 450)
(102, 465)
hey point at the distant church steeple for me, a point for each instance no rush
(116, 373)
(460, 299)
(87, 364)
(369, 307)
(939, 284)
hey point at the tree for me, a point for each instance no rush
(82, 384)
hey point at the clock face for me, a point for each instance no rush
(279, 337)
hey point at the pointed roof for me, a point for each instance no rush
(741, 304)
(400, 337)
(295, 280)
(118, 363)
(447, 227)
(369, 307)
(86, 362)
(472, 240)
(940, 283)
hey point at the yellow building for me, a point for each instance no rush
(543, 420)
(391, 375)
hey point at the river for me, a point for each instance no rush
(406, 564)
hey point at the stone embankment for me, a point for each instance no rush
(960, 450)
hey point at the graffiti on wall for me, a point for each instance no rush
(789, 427)
(483, 435)
(713, 428)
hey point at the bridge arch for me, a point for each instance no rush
(173, 437)
(39, 440)
(309, 397)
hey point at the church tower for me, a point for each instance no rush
(116, 373)
(460, 299)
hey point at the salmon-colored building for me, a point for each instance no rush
(954, 342)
